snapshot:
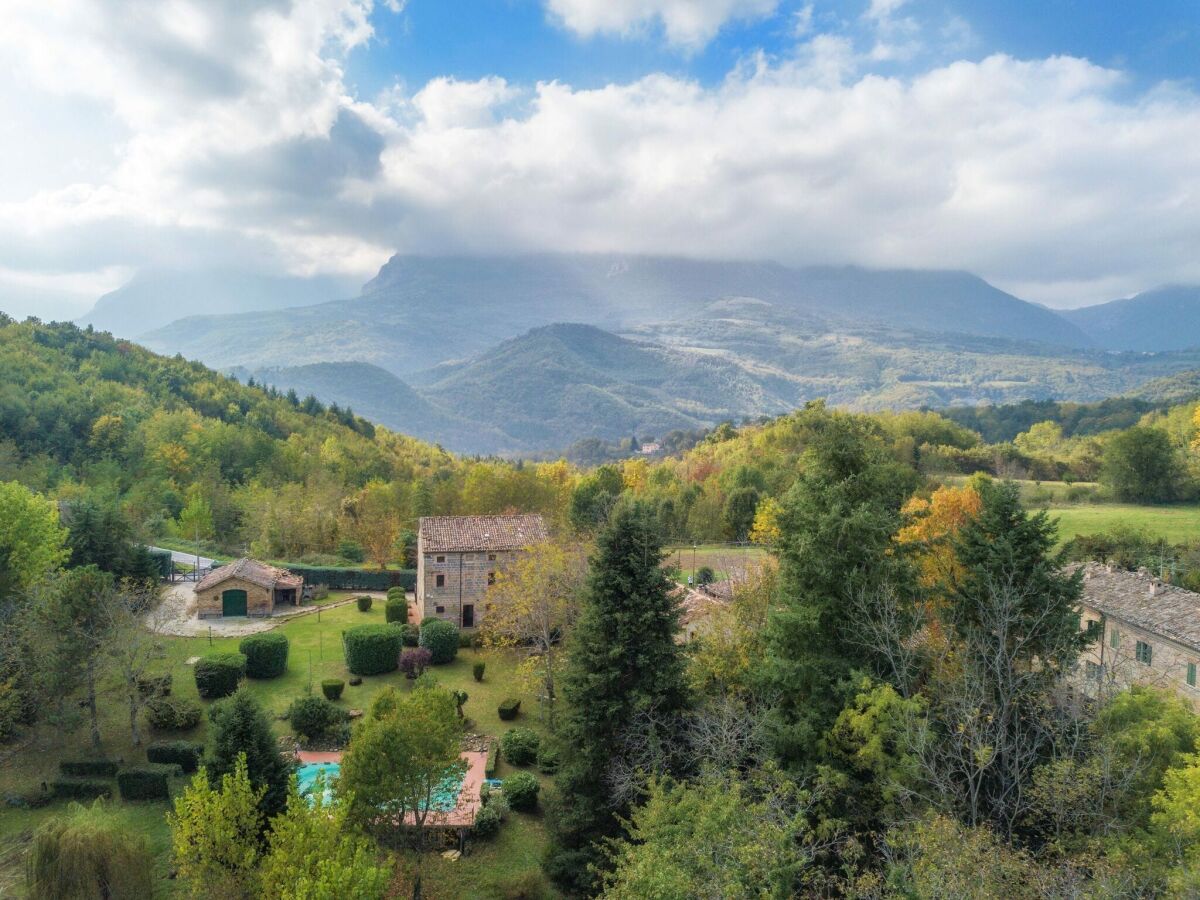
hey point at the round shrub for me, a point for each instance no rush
(489, 819)
(266, 654)
(172, 714)
(521, 791)
(412, 634)
(218, 674)
(414, 661)
(440, 638)
(312, 717)
(396, 610)
(478, 669)
(548, 759)
(372, 649)
(395, 593)
(364, 603)
(520, 746)
(332, 688)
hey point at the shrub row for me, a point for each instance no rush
(218, 674)
(173, 714)
(146, 782)
(88, 768)
(184, 754)
(440, 638)
(80, 789)
(372, 649)
(489, 767)
(266, 654)
(339, 579)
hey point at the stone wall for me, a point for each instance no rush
(1104, 667)
(465, 576)
(259, 600)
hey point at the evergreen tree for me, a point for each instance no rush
(835, 536)
(238, 726)
(623, 661)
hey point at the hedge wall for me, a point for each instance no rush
(145, 782)
(372, 649)
(218, 674)
(266, 654)
(184, 754)
(88, 768)
(339, 579)
(67, 789)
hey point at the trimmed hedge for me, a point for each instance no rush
(80, 789)
(332, 688)
(364, 602)
(266, 654)
(440, 638)
(88, 768)
(520, 746)
(218, 674)
(395, 593)
(478, 669)
(184, 754)
(145, 782)
(173, 714)
(372, 649)
(339, 579)
(521, 791)
(396, 609)
(489, 767)
(508, 709)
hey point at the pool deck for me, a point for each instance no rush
(465, 809)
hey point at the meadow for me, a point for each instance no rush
(487, 870)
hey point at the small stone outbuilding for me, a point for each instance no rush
(246, 588)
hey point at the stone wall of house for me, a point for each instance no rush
(1103, 666)
(465, 580)
(259, 600)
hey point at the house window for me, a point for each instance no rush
(439, 580)
(1191, 676)
(491, 577)
(1114, 639)
(441, 559)
(1144, 653)
(439, 609)
(1092, 626)
(491, 556)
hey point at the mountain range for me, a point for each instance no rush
(530, 353)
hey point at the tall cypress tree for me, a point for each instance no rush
(623, 660)
(835, 543)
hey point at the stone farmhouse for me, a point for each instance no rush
(1146, 631)
(246, 588)
(459, 556)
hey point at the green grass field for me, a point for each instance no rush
(1175, 524)
(315, 653)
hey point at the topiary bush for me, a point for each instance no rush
(489, 819)
(372, 649)
(266, 654)
(332, 688)
(88, 768)
(520, 746)
(478, 669)
(396, 610)
(173, 714)
(489, 767)
(218, 674)
(521, 791)
(312, 717)
(414, 661)
(184, 754)
(394, 593)
(364, 603)
(508, 709)
(548, 759)
(145, 782)
(80, 789)
(440, 638)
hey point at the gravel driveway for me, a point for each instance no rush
(177, 615)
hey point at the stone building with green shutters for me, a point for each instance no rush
(246, 588)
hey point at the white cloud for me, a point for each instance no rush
(689, 23)
(229, 136)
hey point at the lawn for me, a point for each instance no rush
(723, 560)
(1175, 524)
(315, 653)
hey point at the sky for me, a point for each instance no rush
(1050, 146)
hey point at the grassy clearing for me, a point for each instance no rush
(316, 653)
(1175, 524)
(723, 560)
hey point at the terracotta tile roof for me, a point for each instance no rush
(253, 571)
(441, 534)
(1144, 601)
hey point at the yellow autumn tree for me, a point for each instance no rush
(933, 523)
(732, 641)
(765, 530)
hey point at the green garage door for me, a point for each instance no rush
(233, 603)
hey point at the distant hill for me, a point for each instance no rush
(155, 297)
(421, 311)
(1167, 318)
(1182, 387)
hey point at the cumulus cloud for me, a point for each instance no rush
(690, 23)
(239, 143)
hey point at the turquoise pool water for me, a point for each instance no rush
(445, 795)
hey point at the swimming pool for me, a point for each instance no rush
(445, 795)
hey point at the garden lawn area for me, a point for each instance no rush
(315, 653)
(1175, 524)
(722, 560)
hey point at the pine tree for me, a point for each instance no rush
(835, 544)
(623, 660)
(238, 726)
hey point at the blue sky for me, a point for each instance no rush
(1049, 146)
